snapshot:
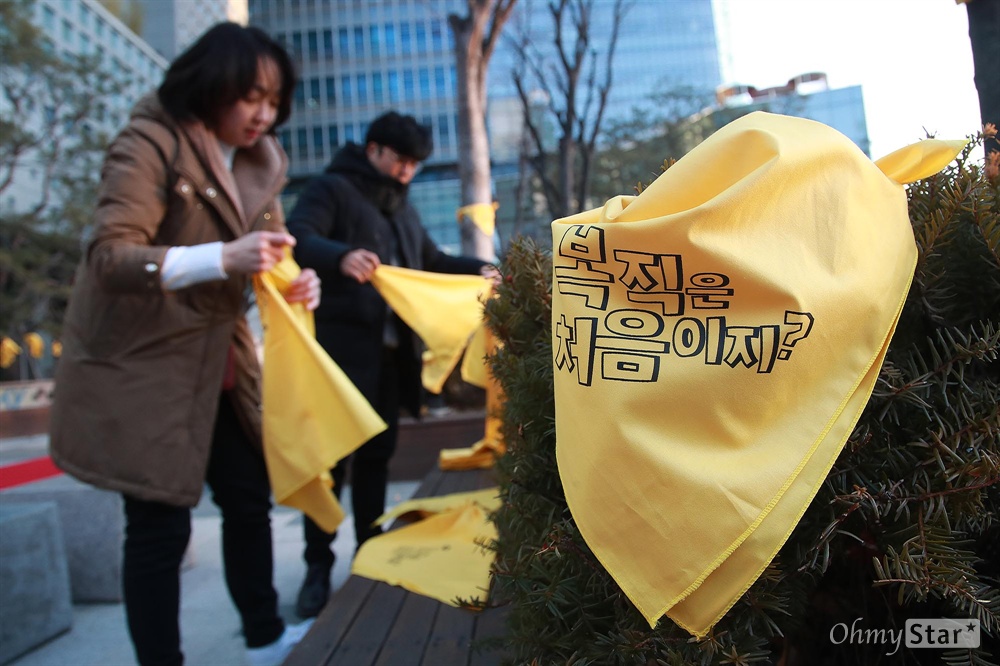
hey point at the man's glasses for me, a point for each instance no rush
(402, 159)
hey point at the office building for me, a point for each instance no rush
(804, 96)
(358, 59)
(170, 26)
(73, 28)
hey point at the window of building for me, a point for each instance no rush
(439, 81)
(331, 91)
(409, 92)
(84, 44)
(303, 140)
(285, 137)
(404, 38)
(421, 31)
(49, 19)
(389, 31)
(318, 144)
(67, 32)
(393, 87)
(67, 6)
(348, 132)
(454, 78)
(344, 42)
(424, 78)
(444, 136)
(313, 93)
(377, 94)
(327, 43)
(359, 41)
(299, 94)
(114, 40)
(84, 15)
(345, 90)
(373, 41)
(334, 139)
(362, 89)
(297, 45)
(99, 27)
(437, 38)
(312, 41)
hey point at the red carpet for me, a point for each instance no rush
(27, 471)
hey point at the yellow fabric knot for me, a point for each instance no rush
(715, 340)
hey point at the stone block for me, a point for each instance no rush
(93, 526)
(35, 601)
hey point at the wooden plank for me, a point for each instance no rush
(491, 623)
(410, 633)
(363, 641)
(333, 622)
(451, 637)
(368, 622)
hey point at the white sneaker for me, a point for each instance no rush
(275, 653)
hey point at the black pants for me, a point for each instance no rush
(157, 534)
(369, 471)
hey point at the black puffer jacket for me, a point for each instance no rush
(353, 206)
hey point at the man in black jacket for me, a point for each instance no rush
(347, 222)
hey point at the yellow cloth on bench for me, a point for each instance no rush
(442, 308)
(437, 557)
(313, 416)
(715, 340)
(422, 507)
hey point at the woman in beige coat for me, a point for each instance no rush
(158, 389)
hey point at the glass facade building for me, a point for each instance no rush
(359, 58)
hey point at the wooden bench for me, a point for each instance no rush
(371, 622)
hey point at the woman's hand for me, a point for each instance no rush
(304, 289)
(256, 252)
(360, 264)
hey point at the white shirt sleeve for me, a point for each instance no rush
(185, 265)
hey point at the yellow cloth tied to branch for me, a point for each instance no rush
(9, 351)
(313, 416)
(483, 215)
(483, 453)
(715, 340)
(442, 308)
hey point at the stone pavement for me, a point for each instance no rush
(210, 627)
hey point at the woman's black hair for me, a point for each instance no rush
(220, 69)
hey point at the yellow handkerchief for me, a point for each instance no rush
(443, 309)
(313, 416)
(437, 557)
(483, 453)
(715, 340)
(422, 507)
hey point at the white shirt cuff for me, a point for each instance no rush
(185, 265)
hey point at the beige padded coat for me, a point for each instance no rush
(138, 384)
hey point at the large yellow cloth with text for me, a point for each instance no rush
(439, 557)
(313, 416)
(715, 340)
(442, 308)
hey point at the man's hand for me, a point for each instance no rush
(256, 252)
(491, 272)
(304, 289)
(359, 264)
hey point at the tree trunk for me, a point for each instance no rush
(473, 142)
(984, 33)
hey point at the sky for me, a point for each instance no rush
(911, 57)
